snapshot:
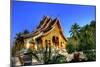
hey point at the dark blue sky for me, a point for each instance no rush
(26, 15)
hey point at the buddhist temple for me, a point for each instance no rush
(49, 32)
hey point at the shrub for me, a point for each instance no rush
(58, 59)
(91, 55)
(70, 48)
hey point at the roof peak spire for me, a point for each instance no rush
(57, 18)
(45, 16)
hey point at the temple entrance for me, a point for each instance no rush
(55, 40)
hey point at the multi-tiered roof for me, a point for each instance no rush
(45, 26)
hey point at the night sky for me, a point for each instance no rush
(27, 15)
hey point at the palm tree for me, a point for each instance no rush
(74, 29)
(75, 34)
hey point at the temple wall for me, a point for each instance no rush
(54, 32)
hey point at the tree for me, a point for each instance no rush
(85, 39)
(93, 35)
(25, 31)
(88, 37)
(18, 43)
(75, 35)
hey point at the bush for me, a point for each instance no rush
(70, 48)
(91, 55)
(58, 59)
